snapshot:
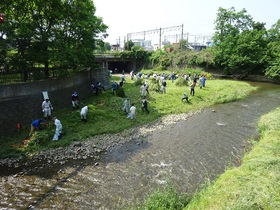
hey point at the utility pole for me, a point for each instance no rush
(182, 37)
(160, 31)
(159, 38)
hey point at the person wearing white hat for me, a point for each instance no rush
(46, 108)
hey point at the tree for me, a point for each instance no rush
(102, 47)
(128, 45)
(240, 42)
(54, 32)
(138, 54)
(273, 52)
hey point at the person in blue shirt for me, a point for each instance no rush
(37, 125)
(114, 87)
(203, 79)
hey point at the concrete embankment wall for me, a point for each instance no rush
(21, 103)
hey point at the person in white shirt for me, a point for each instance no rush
(132, 112)
(83, 113)
(46, 108)
(58, 129)
(143, 90)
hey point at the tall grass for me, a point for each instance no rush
(106, 116)
(256, 183)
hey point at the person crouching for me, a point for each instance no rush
(83, 113)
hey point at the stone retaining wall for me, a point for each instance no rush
(21, 103)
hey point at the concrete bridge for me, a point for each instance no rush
(115, 63)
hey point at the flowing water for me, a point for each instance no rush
(184, 154)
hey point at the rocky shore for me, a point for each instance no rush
(83, 152)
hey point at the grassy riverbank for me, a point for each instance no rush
(256, 183)
(105, 114)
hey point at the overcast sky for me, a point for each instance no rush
(196, 16)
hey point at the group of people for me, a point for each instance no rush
(97, 88)
(47, 108)
(130, 109)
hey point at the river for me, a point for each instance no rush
(185, 154)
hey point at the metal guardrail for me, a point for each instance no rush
(15, 77)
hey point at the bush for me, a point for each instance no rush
(120, 92)
(181, 82)
(154, 85)
(139, 82)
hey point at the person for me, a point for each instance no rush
(100, 86)
(185, 97)
(114, 87)
(192, 86)
(94, 89)
(132, 112)
(110, 73)
(46, 108)
(75, 100)
(58, 129)
(37, 125)
(132, 74)
(83, 113)
(203, 79)
(147, 86)
(143, 90)
(173, 76)
(144, 105)
(126, 105)
(163, 87)
(194, 78)
(123, 78)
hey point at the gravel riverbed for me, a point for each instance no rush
(82, 152)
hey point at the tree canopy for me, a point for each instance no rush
(240, 43)
(60, 33)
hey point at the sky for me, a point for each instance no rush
(195, 17)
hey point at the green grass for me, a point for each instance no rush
(105, 114)
(256, 183)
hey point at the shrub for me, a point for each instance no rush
(154, 85)
(181, 82)
(139, 82)
(120, 92)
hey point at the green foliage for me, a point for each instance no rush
(156, 57)
(166, 199)
(49, 33)
(273, 55)
(181, 82)
(178, 58)
(120, 92)
(139, 82)
(115, 103)
(128, 45)
(154, 85)
(240, 43)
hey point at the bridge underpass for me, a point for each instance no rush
(112, 62)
